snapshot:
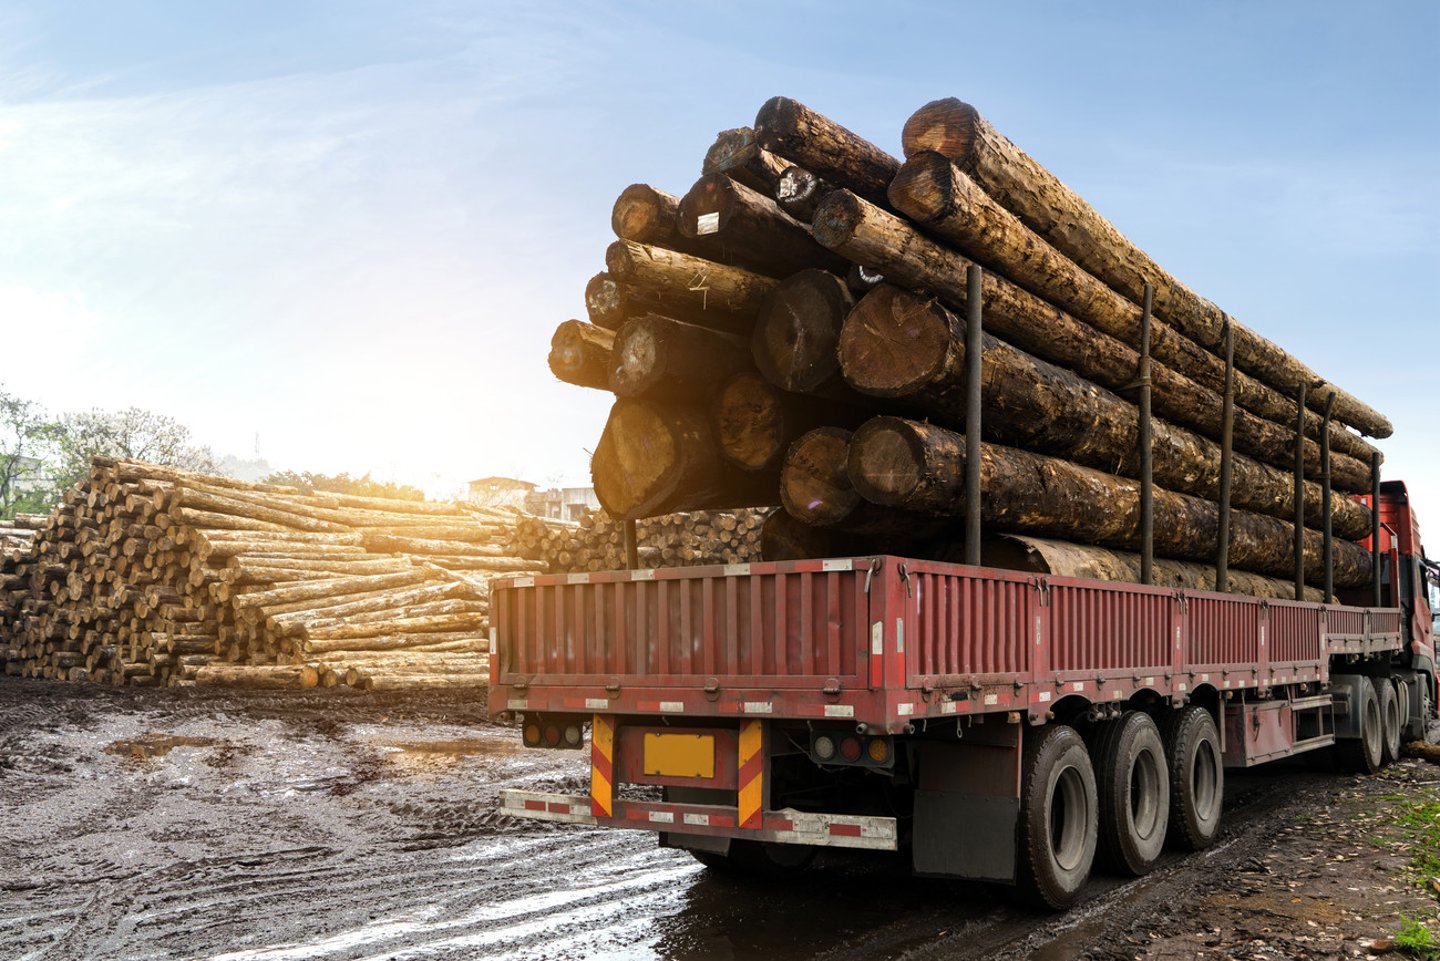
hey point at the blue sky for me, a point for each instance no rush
(349, 228)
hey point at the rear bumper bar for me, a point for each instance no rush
(786, 826)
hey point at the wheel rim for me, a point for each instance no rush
(1372, 731)
(1145, 794)
(1069, 813)
(1205, 780)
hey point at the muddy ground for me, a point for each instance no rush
(197, 825)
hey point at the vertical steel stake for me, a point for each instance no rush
(1227, 436)
(632, 546)
(1375, 527)
(1300, 496)
(1329, 543)
(1147, 480)
(973, 351)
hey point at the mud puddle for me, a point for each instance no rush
(155, 745)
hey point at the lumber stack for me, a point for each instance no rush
(148, 575)
(791, 331)
(16, 534)
(596, 542)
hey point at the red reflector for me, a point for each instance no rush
(846, 830)
(534, 805)
(850, 749)
(552, 735)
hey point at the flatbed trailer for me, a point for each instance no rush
(1002, 726)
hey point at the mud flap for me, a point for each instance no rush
(968, 804)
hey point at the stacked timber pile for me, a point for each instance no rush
(149, 575)
(597, 542)
(16, 534)
(793, 330)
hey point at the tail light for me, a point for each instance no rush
(852, 749)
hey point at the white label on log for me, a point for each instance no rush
(707, 223)
(837, 565)
(877, 639)
(758, 707)
(737, 570)
(673, 707)
(596, 703)
(839, 710)
(662, 817)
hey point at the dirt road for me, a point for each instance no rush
(196, 825)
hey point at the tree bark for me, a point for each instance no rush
(937, 195)
(868, 235)
(756, 422)
(897, 344)
(820, 145)
(655, 459)
(580, 354)
(645, 215)
(700, 290)
(665, 360)
(920, 467)
(750, 228)
(956, 129)
(797, 330)
(737, 155)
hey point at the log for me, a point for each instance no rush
(605, 303)
(815, 489)
(896, 344)
(440, 640)
(799, 192)
(1064, 559)
(401, 625)
(920, 467)
(406, 682)
(242, 506)
(797, 330)
(235, 675)
(756, 422)
(429, 608)
(328, 588)
(291, 618)
(934, 193)
(807, 139)
(655, 459)
(666, 360)
(580, 354)
(786, 538)
(736, 154)
(645, 215)
(390, 543)
(724, 297)
(956, 130)
(868, 235)
(751, 228)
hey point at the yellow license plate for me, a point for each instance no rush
(680, 755)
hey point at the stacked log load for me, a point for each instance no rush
(792, 331)
(148, 575)
(17, 534)
(596, 542)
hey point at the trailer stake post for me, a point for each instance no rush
(1375, 527)
(1147, 480)
(1329, 543)
(974, 348)
(632, 545)
(1300, 496)
(1227, 437)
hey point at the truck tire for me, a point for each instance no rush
(1390, 720)
(1134, 790)
(1058, 818)
(1366, 753)
(1402, 695)
(1197, 778)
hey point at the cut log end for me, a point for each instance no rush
(886, 461)
(924, 189)
(732, 148)
(815, 485)
(636, 454)
(602, 301)
(707, 208)
(634, 362)
(643, 214)
(749, 422)
(893, 342)
(946, 126)
(795, 337)
(837, 218)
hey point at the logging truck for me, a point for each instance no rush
(997, 725)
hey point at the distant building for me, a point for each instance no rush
(566, 503)
(499, 492)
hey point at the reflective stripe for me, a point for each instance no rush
(602, 763)
(752, 773)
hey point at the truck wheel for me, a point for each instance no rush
(1134, 789)
(1390, 720)
(1058, 818)
(1402, 696)
(1364, 754)
(1197, 778)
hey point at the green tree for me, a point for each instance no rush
(27, 446)
(131, 433)
(363, 486)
